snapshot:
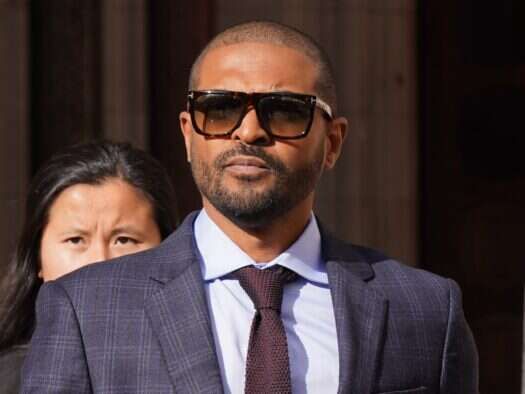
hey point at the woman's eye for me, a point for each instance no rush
(125, 241)
(74, 240)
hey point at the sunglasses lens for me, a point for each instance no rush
(285, 116)
(217, 113)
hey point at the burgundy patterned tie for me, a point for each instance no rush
(267, 364)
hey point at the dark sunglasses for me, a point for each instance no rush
(283, 115)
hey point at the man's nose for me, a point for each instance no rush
(250, 131)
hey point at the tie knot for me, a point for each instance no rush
(265, 287)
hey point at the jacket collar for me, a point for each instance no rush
(180, 247)
(352, 260)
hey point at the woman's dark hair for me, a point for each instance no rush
(91, 163)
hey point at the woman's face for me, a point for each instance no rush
(90, 223)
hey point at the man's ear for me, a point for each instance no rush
(335, 137)
(187, 130)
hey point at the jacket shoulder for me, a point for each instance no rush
(384, 273)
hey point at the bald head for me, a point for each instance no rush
(280, 35)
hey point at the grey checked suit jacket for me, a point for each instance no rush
(140, 324)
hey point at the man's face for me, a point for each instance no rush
(250, 177)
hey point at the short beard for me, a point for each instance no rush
(250, 208)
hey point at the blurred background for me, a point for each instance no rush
(433, 171)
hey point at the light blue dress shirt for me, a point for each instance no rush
(307, 309)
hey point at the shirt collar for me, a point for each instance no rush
(221, 256)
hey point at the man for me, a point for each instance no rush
(251, 293)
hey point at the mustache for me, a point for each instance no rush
(271, 162)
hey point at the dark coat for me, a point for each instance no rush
(140, 324)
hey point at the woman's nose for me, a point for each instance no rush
(98, 252)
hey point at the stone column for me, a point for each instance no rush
(124, 84)
(14, 111)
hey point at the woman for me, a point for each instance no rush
(89, 203)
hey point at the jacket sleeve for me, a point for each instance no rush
(56, 361)
(459, 372)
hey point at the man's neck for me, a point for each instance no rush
(265, 243)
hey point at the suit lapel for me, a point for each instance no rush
(179, 316)
(360, 314)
